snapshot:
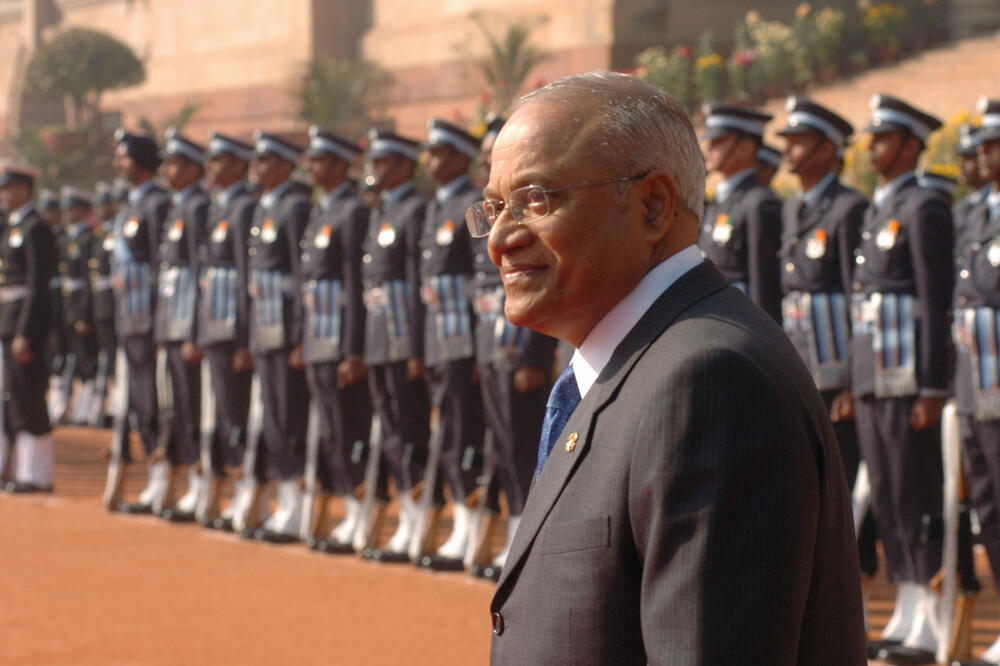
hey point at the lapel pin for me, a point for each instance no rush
(571, 442)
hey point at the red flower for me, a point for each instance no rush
(745, 58)
(684, 51)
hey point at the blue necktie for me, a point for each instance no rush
(563, 399)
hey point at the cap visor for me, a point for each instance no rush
(713, 133)
(799, 129)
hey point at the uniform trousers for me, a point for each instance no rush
(232, 405)
(285, 398)
(24, 393)
(906, 477)
(140, 356)
(516, 421)
(404, 410)
(345, 418)
(460, 420)
(981, 458)
(84, 350)
(185, 383)
(847, 438)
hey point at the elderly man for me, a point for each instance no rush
(689, 504)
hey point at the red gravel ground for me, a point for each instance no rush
(81, 586)
(84, 587)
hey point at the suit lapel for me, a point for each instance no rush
(692, 287)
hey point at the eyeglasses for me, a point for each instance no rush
(525, 204)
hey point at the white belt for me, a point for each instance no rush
(14, 292)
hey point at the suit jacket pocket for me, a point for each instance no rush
(577, 535)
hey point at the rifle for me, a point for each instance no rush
(207, 509)
(119, 436)
(428, 515)
(372, 510)
(313, 516)
(61, 408)
(484, 521)
(95, 413)
(167, 499)
(247, 496)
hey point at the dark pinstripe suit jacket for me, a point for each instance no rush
(702, 516)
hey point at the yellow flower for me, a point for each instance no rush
(706, 61)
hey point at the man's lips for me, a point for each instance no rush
(520, 271)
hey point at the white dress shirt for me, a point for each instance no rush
(597, 350)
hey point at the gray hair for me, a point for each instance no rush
(643, 129)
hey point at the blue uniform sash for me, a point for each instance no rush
(818, 326)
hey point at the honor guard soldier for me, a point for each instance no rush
(55, 346)
(333, 344)
(741, 229)
(224, 303)
(446, 270)
(977, 336)
(515, 368)
(966, 155)
(391, 273)
(27, 261)
(75, 248)
(768, 161)
(901, 294)
(274, 250)
(821, 230)
(176, 308)
(136, 240)
(102, 296)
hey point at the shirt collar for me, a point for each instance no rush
(327, 201)
(883, 192)
(139, 191)
(395, 194)
(596, 351)
(446, 192)
(811, 197)
(181, 196)
(726, 187)
(223, 198)
(18, 215)
(271, 197)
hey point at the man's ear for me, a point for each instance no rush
(659, 203)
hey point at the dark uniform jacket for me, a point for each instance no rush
(137, 238)
(76, 246)
(962, 212)
(817, 258)
(178, 253)
(977, 303)
(498, 342)
(279, 220)
(391, 273)
(742, 236)
(331, 277)
(99, 272)
(693, 511)
(446, 268)
(902, 291)
(224, 300)
(27, 264)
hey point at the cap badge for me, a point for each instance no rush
(386, 235)
(886, 239)
(816, 246)
(323, 237)
(446, 233)
(723, 229)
